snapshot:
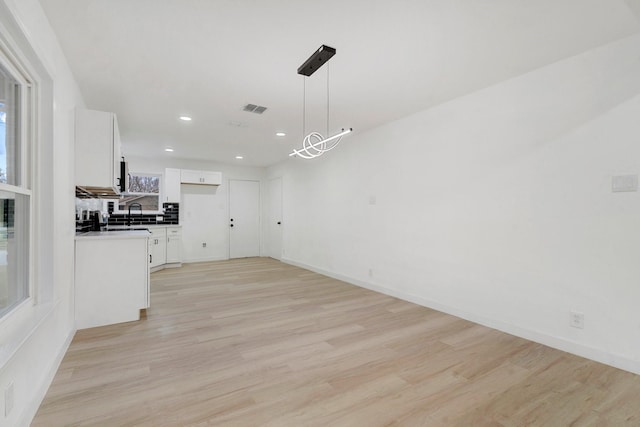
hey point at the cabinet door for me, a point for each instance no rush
(190, 177)
(158, 242)
(200, 177)
(174, 245)
(161, 250)
(97, 149)
(172, 185)
(212, 178)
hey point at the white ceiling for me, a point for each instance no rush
(150, 61)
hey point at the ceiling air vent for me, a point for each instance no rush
(252, 108)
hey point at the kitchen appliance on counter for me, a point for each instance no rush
(98, 220)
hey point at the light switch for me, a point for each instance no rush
(372, 200)
(621, 183)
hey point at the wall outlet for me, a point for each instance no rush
(622, 183)
(8, 399)
(204, 245)
(576, 320)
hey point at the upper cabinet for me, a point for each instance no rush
(97, 152)
(172, 185)
(200, 177)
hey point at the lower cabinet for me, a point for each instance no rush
(174, 245)
(111, 278)
(165, 247)
(158, 246)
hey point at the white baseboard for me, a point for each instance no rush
(188, 261)
(559, 343)
(163, 266)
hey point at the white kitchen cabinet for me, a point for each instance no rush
(158, 246)
(174, 245)
(172, 185)
(97, 151)
(111, 277)
(200, 177)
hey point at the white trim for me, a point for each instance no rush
(14, 189)
(560, 343)
(26, 165)
(12, 63)
(24, 148)
(10, 314)
(208, 259)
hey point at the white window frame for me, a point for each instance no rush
(24, 180)
(160, 177)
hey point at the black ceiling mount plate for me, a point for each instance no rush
(316, 60)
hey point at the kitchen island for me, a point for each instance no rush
(111, 277)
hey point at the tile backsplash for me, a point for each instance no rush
(169, 215)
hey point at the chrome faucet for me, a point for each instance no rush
(139, 206)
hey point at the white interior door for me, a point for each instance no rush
(274, 218)
(244, 218)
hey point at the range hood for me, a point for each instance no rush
(87, 192)
(96, 192)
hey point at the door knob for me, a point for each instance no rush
(279, 223)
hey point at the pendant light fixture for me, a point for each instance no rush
(314, 144)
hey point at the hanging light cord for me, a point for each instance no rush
(327, 100)
(304, 106)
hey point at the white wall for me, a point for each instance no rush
(35, 339)
(204, 210)
(496, 206)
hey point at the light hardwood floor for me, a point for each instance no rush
(255, 342)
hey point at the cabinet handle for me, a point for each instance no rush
(150, 258)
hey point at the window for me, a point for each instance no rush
(143, 189)
(15, 194)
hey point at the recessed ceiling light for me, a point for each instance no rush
(170, 150)
(185, 118)
(239, 157)
(281, 134)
